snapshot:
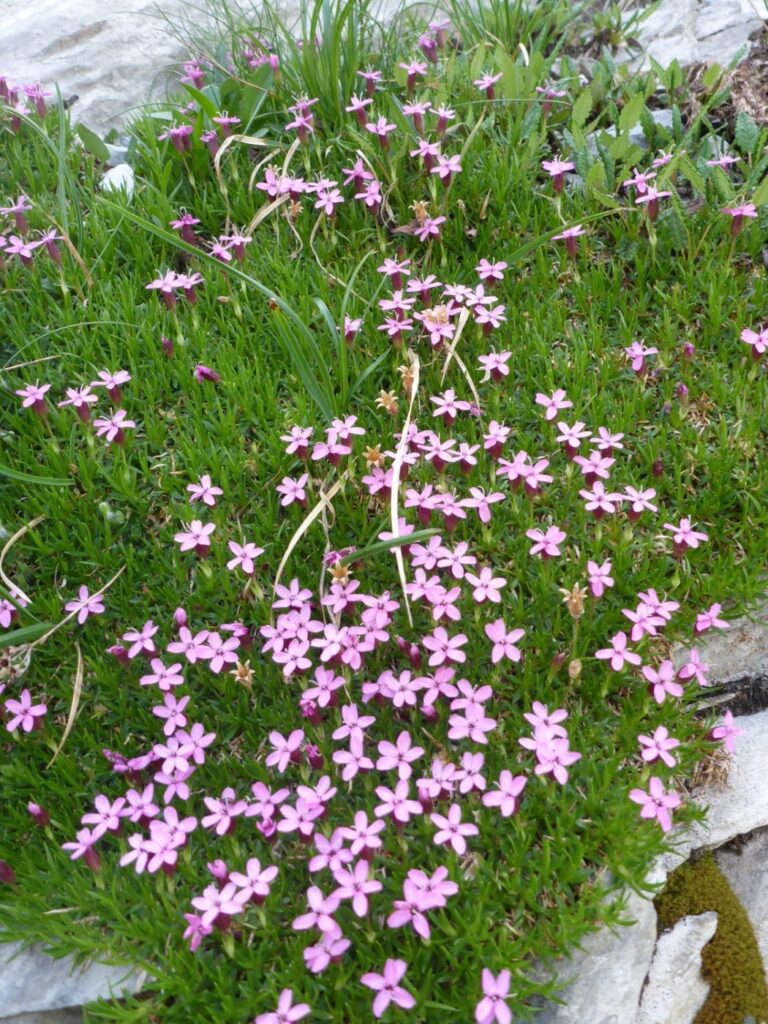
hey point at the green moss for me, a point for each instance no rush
(731, 961)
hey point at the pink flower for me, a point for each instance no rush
(80, 399)
(23, 713)
(33, 397)
(662, 680)
(85, 604)
(444, 647)
(639, 501)
(113, 427)
(488, 271)
(284, 750)
(599, 577)
(245, 557)
(141, 639)
(651, 196)
(727, 732)
(204, 491)
(452, 830)
(739, 215)
(684, 536)
(287, 1011)
(381, 129)
(330, 949)
(504, 641)
(486, 586)
(399, 755)
(410, 909)
(293, 490)
(556, 169)
(758, 340)
(554, 403)
(507, 795)
(657, 747)
(492, 1007)
(546, 543)
(618, 654)
(554, 757)
(387, 987)
(197, 537)
(319, 915)
(656, 803)
(112, 382)
(569, 236)
(224, 811)
(397, 802)
(355, 885)
(710, 619)
(486, 84)
(694, 668)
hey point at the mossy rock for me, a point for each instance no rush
(731, 961)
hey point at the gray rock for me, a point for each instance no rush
(675, 990)
(736, 809)
(637, 135)
(118, 153)
(606, 976)
(112, 58)
(691, 31)
(119, 178)
(74, 1016)
(747, 872)
(33, 982)
(738, 653)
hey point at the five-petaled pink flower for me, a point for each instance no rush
(546, 542)
(492, 1008)
(388, 988)
(452, 830)
(656, 803)
(23, 713)
(287, 1011)
(85, 604)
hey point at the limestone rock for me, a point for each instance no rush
(33, 982)
(606, 976)
(747, 872)
(111, 58)
(675, 990)
(696, 30)
(738, 653)
(118, 178)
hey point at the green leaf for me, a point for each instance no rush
(596, 177)
(760, 195)
(712, 76)
(205, 102)
(387, 545)
(630, 114)
(747, 133)
(582, 108)
(25, 635)
(28, 478)
(691, 173)
(93, 143)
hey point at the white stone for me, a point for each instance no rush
(33, 982)
(118, 178)
(675, 990)
(738, 653)
(606, 975)
(696, 30)
(112, 57)
(747, 873)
